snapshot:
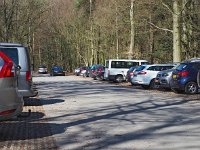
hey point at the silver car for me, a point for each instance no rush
(42, 69)
(11, 103)
(20, 56)
(163, 78)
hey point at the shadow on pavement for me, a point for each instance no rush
(40, 102)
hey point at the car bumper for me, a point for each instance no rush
(28, 93)
(175, 84)
(17, 110)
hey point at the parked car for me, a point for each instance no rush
(77, 71)
(100, 70)
(184, 77)
(130, 73)
(145, 74)
(82, 70)
(164, 77)
(116, 69)
(57, 71)
(86, 73)
(42, 69)
(20, 56)
(11, 102)
(93, 70)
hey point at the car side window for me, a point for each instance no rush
(152, 68)
(196, 66)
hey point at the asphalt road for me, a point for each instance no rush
(88, 114)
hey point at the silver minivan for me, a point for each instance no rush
(20, 56)
(11, 102)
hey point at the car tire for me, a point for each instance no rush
(119, 78)
(191, 88)
(152, 84)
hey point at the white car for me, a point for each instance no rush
(145, 74)
(116, 69)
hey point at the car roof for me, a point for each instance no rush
(127, 60)
(11, 45)
(192, 60)
(159, 65)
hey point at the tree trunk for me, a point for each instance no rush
(151, 39)
(117, 31)
(91, 34)
(132, 42)
(176, 31)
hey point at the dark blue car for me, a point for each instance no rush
(57, 71)
(184, 77)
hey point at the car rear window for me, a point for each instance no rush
(42, 66)
(159, 68)
(140, 68)
(182, 67)
(11, 53)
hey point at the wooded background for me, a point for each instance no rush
(75, 33)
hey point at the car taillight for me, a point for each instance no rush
(141, 73)
(131, 73)
(28, 75)
(7, 112)
(6, 70)
(183, 73)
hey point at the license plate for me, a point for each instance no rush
(157, 81)
(174, 76)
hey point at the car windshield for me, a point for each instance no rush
(42, 66)
(181, 66)
(140, 68)
(131, 69)
(58, 68)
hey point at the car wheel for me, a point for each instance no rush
(191, 88)
(98, 78)
(119, 78)
(152, 84)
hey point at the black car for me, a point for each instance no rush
(57, 71)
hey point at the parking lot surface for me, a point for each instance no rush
(75, 113)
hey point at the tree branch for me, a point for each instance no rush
(164, 29)
(166, 6)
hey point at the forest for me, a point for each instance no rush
(73, 33)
